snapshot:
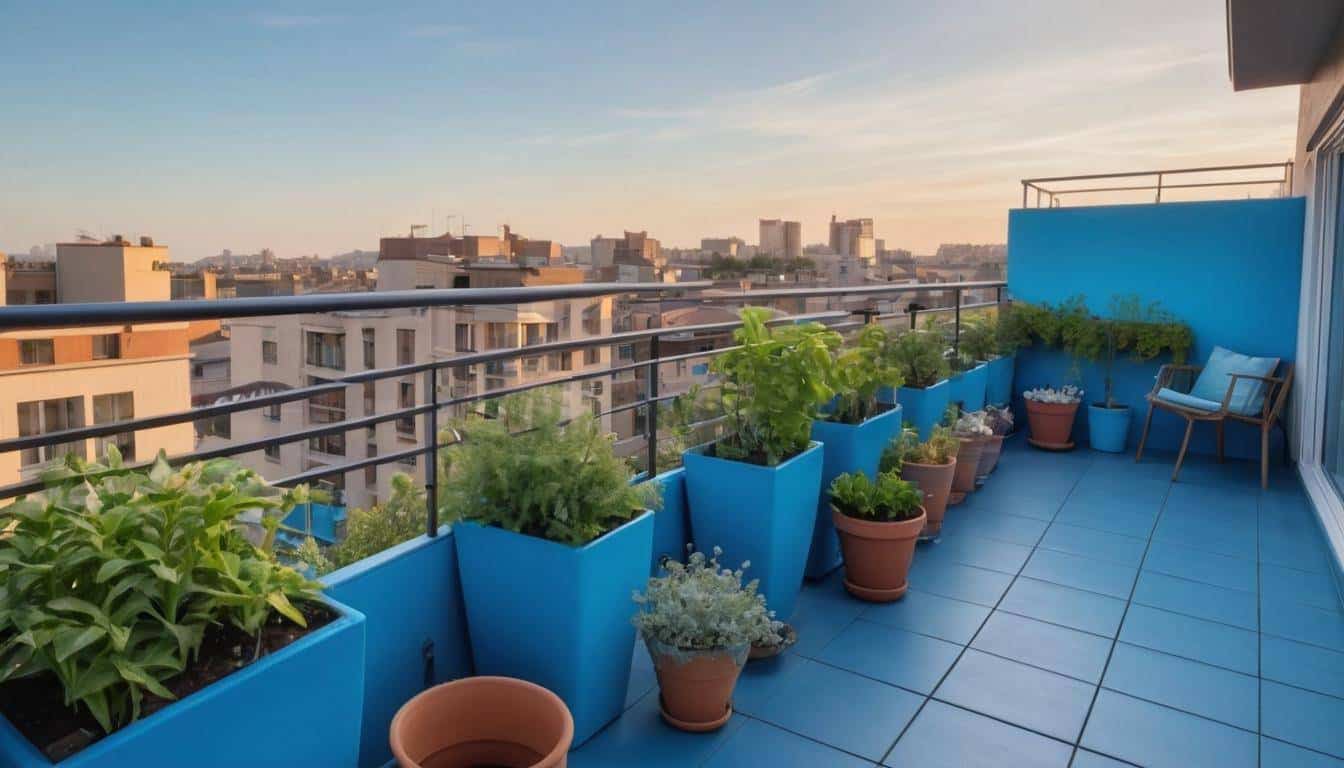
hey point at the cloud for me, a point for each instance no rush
(290, 21)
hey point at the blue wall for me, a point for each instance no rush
(409, 594)
(1230, 269)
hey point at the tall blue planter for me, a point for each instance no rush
(849, 448)
(968, 388)
(756, 513)
(556, 615)
(923, 408)
(1107, 428)
(999, 385)
(670, 530)
(298, 706)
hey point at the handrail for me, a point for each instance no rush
(1049, 197)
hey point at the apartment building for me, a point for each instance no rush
(853, 238)
(782, 239)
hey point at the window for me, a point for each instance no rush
(592, 355)
(106, 346)
(325, 349)
(533, 333)
(532, 364)
(38, 417)
(406, 399)
(405, 346)
(370, 451)
(370, 398)
(501, 335)
(367, 337)
(37, 352)
(626, 352)
(326, 408)
(464, 340)
(272, 412)
(560, 361)
(44, 297)
(108, 409)
(198, 371)
(215, 426)
(408, 460)
(272, 452)
(270, 352)
(592, 320)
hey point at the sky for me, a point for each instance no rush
(319, 127)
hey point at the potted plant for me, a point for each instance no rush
(1050, 414)
(754, 490)
(918, 356)
(684, 421)
(879, 523)
(1000, 423)
(970, 430)
(552, 538)
(1010, 332)
(974, 351)
(929, 464)
(143, 616)
(699, 621)
(854, 428)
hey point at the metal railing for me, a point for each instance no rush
(101, 314)
(1049, 197)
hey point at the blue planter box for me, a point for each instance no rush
(756, 513)
(670, 530)
(968, 388)
(1107, 428)
(999, 386)
(556, 615)
(849, 448)
(298, 706)
(923, 408)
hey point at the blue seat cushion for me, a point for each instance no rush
(1249, 395)
(1187, 401)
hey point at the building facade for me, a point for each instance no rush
(781, 238)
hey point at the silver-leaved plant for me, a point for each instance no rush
(700, 606)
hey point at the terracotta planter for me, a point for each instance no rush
(989, 456)
(696, 687)
(877, 555)
(1051, 424)
(480, 721)
(968, 460)
(935, 480)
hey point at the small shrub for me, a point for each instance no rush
(918, 357)
(940, 448)
(979, 338)
(370, 531)
(701, 607)
(889, 499)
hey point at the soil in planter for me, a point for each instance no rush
(755, 457)
(878, 411)
(35, 705)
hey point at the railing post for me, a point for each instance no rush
(1159, 187)
(1024, 194)
(432, 454)
(956, 321)
(651, 396)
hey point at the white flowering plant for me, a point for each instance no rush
(1065, 395)
(972, 424)
(999, 420)
(701, 606)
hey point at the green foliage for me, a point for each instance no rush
(731, 266)
(979, 338)
(918, 356)
(370, 531)
(890, 499)
(861, 369)
(700, 607)
(532, 472)
(773, 383)
(940, 448)
(1012, 328)
(677, 430)
(110, 578)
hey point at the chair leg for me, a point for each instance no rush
(1264, 456)
(1185, 444)
(1148, 422)
(1220, 441)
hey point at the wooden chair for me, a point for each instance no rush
(1276, 395)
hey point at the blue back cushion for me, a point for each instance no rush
(1249, 395)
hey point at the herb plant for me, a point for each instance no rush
(679, 427)
(860, 371)
(940, 448)
(110, 579)
(979, 341)
(918, 357)
(890, 499)
(370, 531)
(702, 607)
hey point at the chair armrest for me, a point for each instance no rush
(1168, 371)
(1270, 381)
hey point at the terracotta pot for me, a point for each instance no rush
(935, 480)
(696, 687)
(968, 460)
(989, 456)
(476, 721)
(1051, 423)
(877, 555)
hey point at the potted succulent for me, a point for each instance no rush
(699, 621)
(879, 523)
(1000, 423)
(551, 540)
(929, 464)
(1050, 414)
(754, 490)
(143, 615)
(918, 356)
(974, 434)
(854, 427)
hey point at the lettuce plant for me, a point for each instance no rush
(860, 370)
(889, 499)
(702, 607)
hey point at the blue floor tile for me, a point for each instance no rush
(840, 708)
(1294, 552)
(1305, 666)
(1086, 611)
(1049, 646)
(944, 736)
(1153, 735)
(1111, 513)
(1212, 692)
(1097, 545)
(757, 743)
(993, 524)
(1194, 598)
(1085, 759)
(1197, 565)
(1227, 503)
(1212, 643)
(1041, 701)
(642, 677)
(1314, 589)
(977, 551)
(960, 582)
(1301, 717)
(823, 610)
(942, 617)
(1082, 573)
(761, 680)
(912, 661)
(1303, 623)
(640, 737)
(1277, 754)
(994, 499)
(1206, 532)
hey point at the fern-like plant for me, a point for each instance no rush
(889, 499)
(979, 338)
(918, 356)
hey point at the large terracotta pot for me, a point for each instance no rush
(477, 721)
(877, 555)
(989, 456)
(696, 686)
(968, 460)
(1051, 424)
(935, 480)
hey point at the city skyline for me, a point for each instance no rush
(278, 129)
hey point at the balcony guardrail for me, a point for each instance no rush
(1049, 197)
(74, 315)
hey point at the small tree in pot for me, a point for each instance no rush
(930, 465)
(879, 523)
(699, 621)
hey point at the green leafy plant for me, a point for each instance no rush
(680, 427)
(918, 356)
(700, 607)
(889, 499)
(861, 369)
(979, 338)
(533, 472)
(111, 578)
(370, 531)
(774, 381)
(1013, 328)
(940, 448)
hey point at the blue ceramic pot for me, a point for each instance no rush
(999, 385)
(757, 513)
(1108, 428)
(849, 448)
(922, 408)
(968, 388)
(556, 615)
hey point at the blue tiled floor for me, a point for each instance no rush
(1079, 610)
